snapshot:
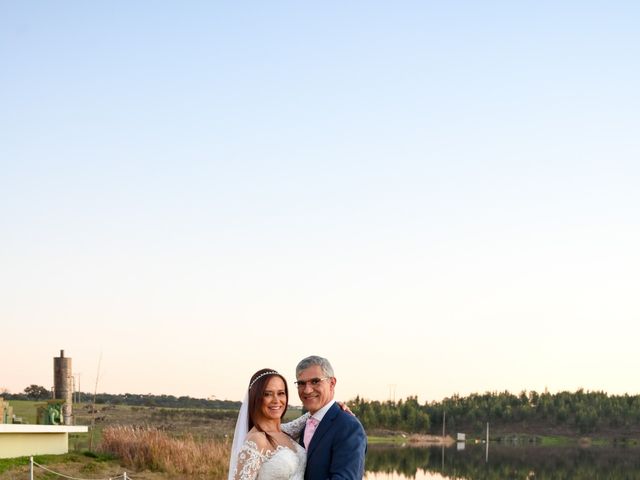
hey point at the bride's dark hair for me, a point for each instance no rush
(257, 386)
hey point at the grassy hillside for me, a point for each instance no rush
(26, 409)
(205, 424)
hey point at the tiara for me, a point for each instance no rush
(270, 372)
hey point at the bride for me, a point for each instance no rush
(263, 448)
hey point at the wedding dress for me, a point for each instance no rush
(285, 462)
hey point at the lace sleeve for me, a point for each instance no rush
(249, 462)
(294, 427)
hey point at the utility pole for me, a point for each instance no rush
(444, 423)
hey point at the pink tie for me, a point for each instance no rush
(310, 428)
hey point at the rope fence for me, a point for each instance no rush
(33, 464)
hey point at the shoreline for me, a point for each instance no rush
(515, 439)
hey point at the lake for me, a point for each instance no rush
(502, 462)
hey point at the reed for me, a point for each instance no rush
(147, 448)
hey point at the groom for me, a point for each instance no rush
(335, 440)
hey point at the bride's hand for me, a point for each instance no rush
(345, 407)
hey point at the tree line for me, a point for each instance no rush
(405, 415)
(37, 392)
(581, 411)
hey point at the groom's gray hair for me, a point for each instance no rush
(312, 360)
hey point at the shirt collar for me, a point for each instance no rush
(319, 415)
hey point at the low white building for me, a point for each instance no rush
(26, 440)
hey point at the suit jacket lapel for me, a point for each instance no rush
(323, 428)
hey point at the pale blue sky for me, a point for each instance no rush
(440, 197)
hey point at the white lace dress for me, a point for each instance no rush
(281, 463)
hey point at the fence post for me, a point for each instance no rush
(124, 476)
(30, 468)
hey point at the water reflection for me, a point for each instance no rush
(504, 462)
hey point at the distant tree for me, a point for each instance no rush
(36, 392)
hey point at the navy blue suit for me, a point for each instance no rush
(337, 448)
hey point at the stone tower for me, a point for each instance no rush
(63, 385)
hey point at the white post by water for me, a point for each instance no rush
(444, 422)
(486, 455)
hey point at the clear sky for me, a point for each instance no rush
(440, 197)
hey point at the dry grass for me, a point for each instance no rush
(147, 448)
